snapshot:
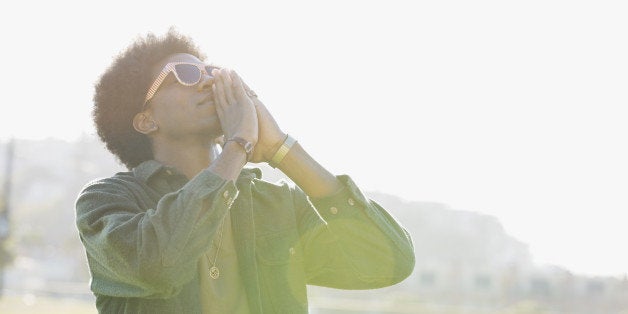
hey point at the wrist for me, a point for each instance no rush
(272, 149)
(282, 151)
(240, 145)
(251, 137)
(229, 163)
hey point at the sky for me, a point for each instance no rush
(510, 108)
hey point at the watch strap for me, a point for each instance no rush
(246, 145)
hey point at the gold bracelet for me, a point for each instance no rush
(282, 151)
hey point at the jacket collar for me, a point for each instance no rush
(147, 169)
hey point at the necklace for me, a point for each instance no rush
(214, 272)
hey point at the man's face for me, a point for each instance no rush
(181, 111)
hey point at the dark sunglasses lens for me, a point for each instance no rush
(188, 73)
(209, 69)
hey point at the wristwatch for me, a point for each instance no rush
(246, 145)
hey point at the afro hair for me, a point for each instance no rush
(120, 91)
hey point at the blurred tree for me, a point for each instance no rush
(5, 254)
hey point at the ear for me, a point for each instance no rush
(144, 123)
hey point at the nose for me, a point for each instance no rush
(205, 83)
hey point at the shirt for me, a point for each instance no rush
(145, 230)
(226, 293)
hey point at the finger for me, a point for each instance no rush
(249, 91)
(226, 75)
(219, 91)
(236, 80)
(220, 109)
(238, 87)
(217, 102)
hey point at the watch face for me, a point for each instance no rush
(246, 145)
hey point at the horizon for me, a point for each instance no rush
(515, 110)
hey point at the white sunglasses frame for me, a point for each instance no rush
(170, 67)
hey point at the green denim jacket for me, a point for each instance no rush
(145, 230)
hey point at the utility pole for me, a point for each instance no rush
(5, 209)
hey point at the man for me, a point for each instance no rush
(189, 230)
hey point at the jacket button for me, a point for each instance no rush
(225, 194)
(351, 202)
(292, 251)
(333, 210)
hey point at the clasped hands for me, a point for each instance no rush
(245, 116)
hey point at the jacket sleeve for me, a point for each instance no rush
(139, 252)
(351, 242)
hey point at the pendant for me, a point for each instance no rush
(214, 272)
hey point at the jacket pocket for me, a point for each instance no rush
(278, 248)
(281, 272)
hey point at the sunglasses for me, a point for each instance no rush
(188, 74)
